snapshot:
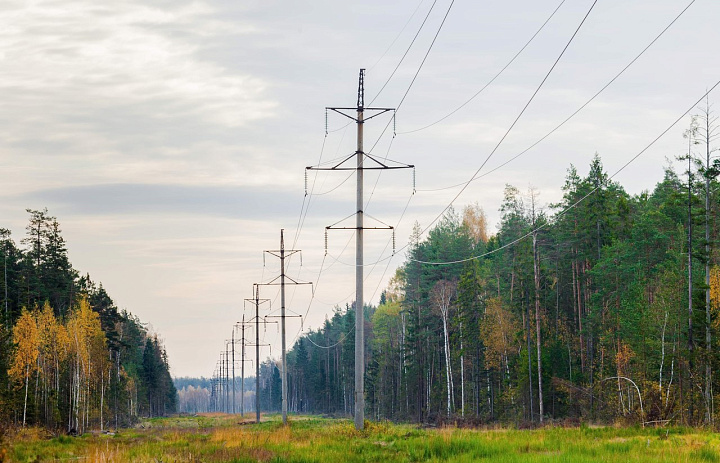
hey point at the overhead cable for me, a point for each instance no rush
(652, 42)
(537, 90)
(565, 211)
(512, 60)
(406, 52)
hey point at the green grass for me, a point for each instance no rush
(221, 438)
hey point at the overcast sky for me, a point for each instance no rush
(170, 138)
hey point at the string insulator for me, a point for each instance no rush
(394, 126)
(306, 181)
(393, 239)
(326, 122)
(414, 180)
(326, 241)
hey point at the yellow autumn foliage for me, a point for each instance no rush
(87, 343)
(476, 223)
(715, 293)
(497, 329)
(623, 357)
(27, 341)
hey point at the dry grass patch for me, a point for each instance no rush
(220, 438)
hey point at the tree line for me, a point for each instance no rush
(70, 359)
(601, 307)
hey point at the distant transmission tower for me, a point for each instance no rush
(256, 319)
(375, 164)
(243, 325)
(283, 254)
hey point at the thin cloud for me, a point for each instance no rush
(236, 202)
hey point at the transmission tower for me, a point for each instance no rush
(282, 254)
(257, 301)
(242, 325)
(374, 164)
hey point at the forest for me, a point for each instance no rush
(602, 307)
(70, 360)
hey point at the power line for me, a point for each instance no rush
(567, 209)
(316, 284)
(414, 79)
(335, 187)
(622, 71)
(303, 216)
(422, 63)
(397, 36)
(406, 52)
(386, 246)
(312, 297)
(340, 341)
(412, 82)
(537, 90)
(511, 126)
(301, 221)
(303, 210)
(373, 264)
(512, 60)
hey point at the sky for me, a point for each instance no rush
(170, 138)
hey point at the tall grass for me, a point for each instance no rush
(224, 438)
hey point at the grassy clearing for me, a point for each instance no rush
(223, 438)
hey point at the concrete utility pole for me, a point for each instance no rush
(218, 403)
(257, 301)
(242, 370)
(233, 369)
(221, 379)
(383, 164)
(227, 377)
(359, 270)
(242, 324)
(283, 254)
(212, 392)
(224, 381)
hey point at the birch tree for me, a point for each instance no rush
(27, 344)
(443, 295)
(536, 278)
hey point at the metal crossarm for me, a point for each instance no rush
(384, 165)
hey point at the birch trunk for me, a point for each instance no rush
(462, 374)
(102, 397)
(538, 339)
(447, 362)
(27, 381)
